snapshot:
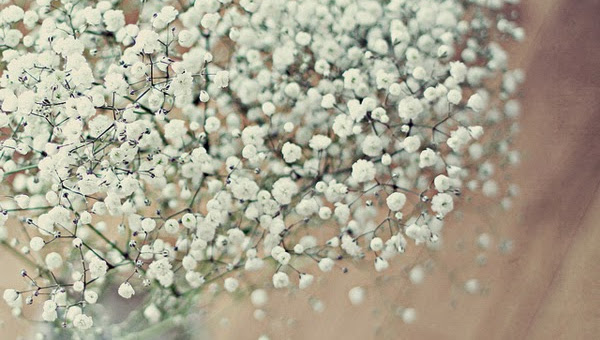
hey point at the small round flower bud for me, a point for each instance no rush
(356, 295)
(77, 242)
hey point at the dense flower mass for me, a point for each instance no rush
(166, 148)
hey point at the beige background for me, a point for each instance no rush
(548, 287)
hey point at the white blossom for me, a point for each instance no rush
(82, 321)
(231, 284)
(356, 295)
(396, 201)
(126, 290)
(291, 152)
(283, 190)
(409, 108)
(280, 280)
(54, 260)
(363, 171)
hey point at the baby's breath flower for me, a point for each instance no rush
(363, 171)
(168, 149)
(356, 295)
(126, 290)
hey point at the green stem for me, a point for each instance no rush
(112, 244)
(32, 166)
(27, 209)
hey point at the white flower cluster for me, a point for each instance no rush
(172, 149)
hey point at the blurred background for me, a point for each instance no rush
(547, 286)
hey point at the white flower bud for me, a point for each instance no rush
(36, 243)
(231, 284)
(280, 280)
(326, 264)
(126, 290)
(53, 261)
(356, 295)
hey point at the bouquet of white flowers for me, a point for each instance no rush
(164, 149)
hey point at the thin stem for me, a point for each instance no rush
(29, 167)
